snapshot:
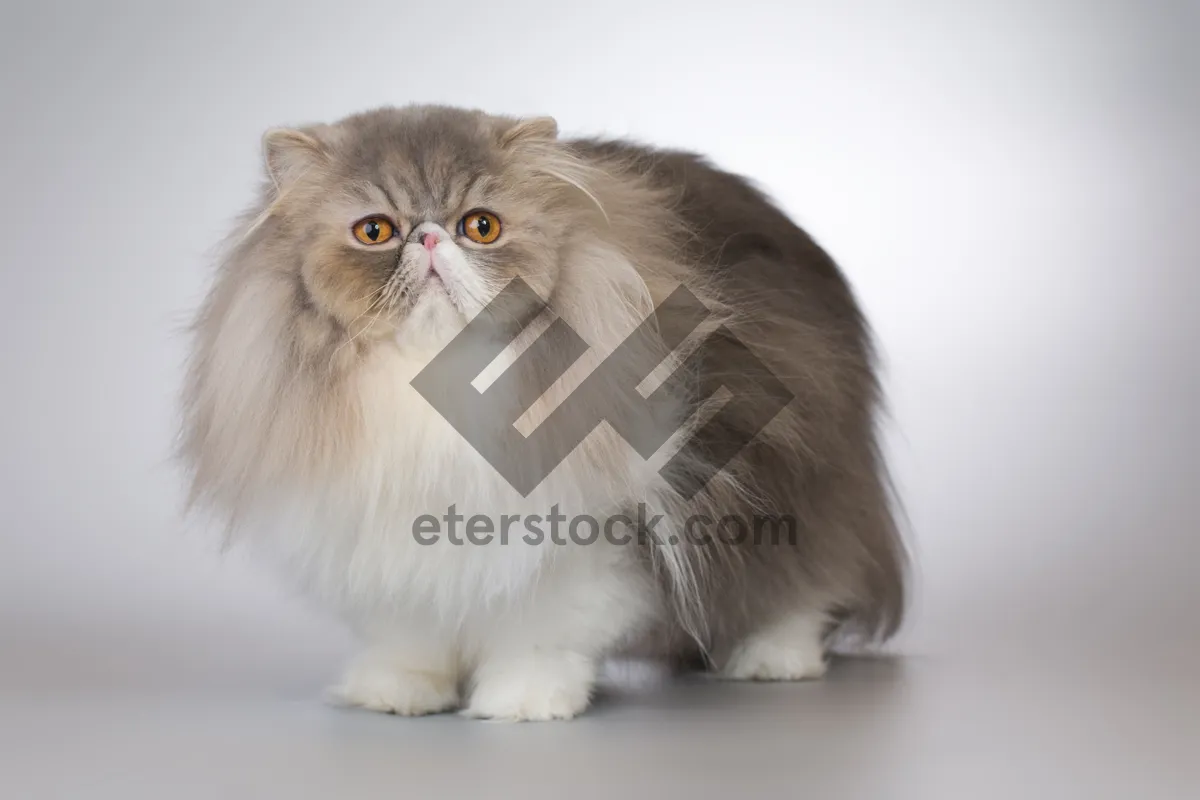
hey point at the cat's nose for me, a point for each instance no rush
(430, 240)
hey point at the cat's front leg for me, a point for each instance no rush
(407, 669)
(532, 684)
(539, 662)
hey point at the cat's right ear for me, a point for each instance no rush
(288, 153)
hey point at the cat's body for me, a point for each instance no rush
(303, 425)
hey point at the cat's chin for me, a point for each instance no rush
(432, 322)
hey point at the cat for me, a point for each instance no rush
(312, 428)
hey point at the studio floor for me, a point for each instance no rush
(890, 727)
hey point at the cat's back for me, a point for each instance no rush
(734, 231)
(715, 204)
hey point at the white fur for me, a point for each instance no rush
(523, 624)
(536, 686)
(540, 660)
(790, 650)
(400, 679)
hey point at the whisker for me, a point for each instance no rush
(364, 329)
(370, 305)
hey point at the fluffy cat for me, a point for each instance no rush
(374, 242)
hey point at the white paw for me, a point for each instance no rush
(789, 651)
(532, 688)
(379, 686)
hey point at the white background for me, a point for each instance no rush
(1011, 187)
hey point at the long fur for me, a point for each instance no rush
(301, 427)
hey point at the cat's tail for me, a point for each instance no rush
(878, 609)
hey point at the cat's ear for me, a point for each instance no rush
(288, 153)
(530, 129)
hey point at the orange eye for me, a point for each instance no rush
(480, 226)
(373, 230)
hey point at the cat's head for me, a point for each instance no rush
(405, 222)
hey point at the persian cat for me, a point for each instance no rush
(324, 426)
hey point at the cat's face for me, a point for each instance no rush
(406, 222)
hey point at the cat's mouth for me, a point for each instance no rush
(436, 274)
(434, 282)
(426, 276)
(436, 285)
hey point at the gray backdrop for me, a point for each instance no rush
(1011, 186)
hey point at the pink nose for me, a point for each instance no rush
(430, 240)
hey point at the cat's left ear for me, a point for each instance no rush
(530, 129)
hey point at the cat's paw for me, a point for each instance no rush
(379, 686)
(534, 688)
(790, 651)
